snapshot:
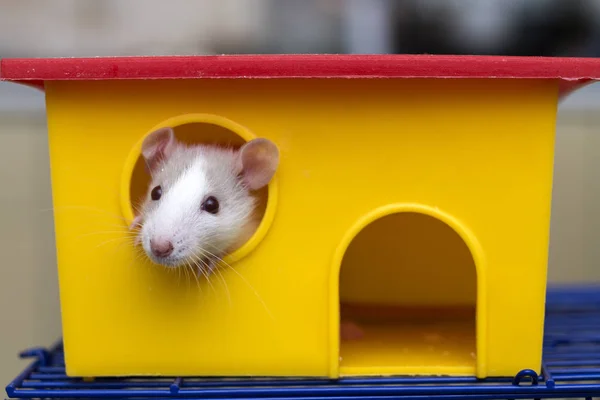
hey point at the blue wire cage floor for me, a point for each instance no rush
(571, 369)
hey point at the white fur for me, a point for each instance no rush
(188, 175)
(178, 216)
(177, 212)
(181, 200)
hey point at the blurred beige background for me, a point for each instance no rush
(29, 307)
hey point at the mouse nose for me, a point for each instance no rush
(161, 248)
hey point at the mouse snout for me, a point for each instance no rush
(161, 247)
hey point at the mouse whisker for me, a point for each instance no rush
(137, 207)
(186, 273)
(124, 233)
(125, 240)
(119, 242)
(139, 255)
(194, 271)
(194, 274)
(222, 278)
(221, 261)
(195, 260)
(122, 239)
(121, 226)
(86, 208)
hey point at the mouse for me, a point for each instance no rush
(201, 203)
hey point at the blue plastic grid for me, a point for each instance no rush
(571, 369)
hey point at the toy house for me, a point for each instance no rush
(413, 196)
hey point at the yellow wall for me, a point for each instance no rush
(479, 152)
(427, 261)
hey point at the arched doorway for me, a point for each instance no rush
(409, 279)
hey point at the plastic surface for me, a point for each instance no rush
(571, 72)
(391, 262)
(468, 164)
(571, 370)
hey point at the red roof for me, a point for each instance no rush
(573, 72)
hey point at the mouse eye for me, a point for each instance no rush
(156, 193)
(211, 204)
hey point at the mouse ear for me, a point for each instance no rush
(158, 146)
(259, 160)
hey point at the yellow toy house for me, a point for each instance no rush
(412, 196)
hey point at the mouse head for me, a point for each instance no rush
(200, 202)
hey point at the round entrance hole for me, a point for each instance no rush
(409, 281)
(197, 129)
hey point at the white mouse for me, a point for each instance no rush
(201, 203)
